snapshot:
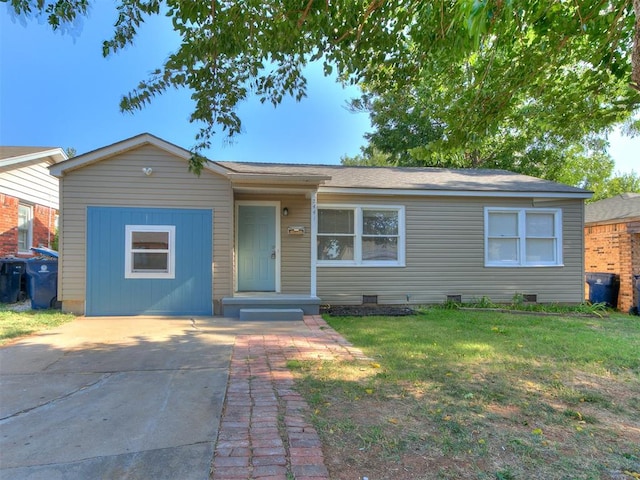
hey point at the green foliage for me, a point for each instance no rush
(409, 131)
(621, 183)
(484, 67)
(55, 242)
(373, 158)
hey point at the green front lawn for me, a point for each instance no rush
(18, 324)
(480, 395)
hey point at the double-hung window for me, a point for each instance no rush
(523, 237)
(360, 235)
(25, 227)
(149, 251)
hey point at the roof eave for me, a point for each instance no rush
(454, 193)
(275, 179)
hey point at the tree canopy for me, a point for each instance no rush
(483, 64)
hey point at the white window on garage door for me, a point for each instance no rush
(150, 251)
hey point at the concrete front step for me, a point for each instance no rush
(271, 314)
(231, 306)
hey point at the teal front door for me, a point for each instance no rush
(257, 248)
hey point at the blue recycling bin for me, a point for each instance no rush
(603, 288)
(42, 275)
(12, 284)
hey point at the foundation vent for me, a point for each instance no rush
(369, 299)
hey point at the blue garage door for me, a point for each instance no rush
(149, 261)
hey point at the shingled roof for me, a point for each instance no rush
(409, 178)
(13, 157)
(618, 209)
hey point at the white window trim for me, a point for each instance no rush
(357, 243)
(29, 229)
(521, 237)
(128, 252)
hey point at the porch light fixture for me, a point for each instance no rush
(147, 171)
(285, 211)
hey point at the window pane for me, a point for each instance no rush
(23, 240)
(335, 247)
(379, 222)
(335, 221)
(24, 225)
(24, 216)
(540, 225)
(150, 261)
(379, 248)
(503, 250)
(503, 224)
(150, 240)
(541, 250)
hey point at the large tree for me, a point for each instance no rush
(481, 57)
(408, 132)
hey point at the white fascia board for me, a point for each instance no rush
(451, 193)
(57, 155)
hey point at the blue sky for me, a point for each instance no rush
(58, 90)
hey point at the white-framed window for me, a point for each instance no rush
(363, 235)
(25, 227)
(523, 237)
(150, 251)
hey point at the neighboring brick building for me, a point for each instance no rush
(28, 198)
(612, 242)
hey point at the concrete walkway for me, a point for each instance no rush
(160, 398)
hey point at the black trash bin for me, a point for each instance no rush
(42, 275)
(12, 284)
(635, 310)
(603, 288)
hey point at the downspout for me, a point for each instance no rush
(314, 242)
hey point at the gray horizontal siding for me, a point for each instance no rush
(31, 183)
(119, 181)
(445, 256)
(296, 249)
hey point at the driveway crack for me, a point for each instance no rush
(83, 388)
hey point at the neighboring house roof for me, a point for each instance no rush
(619, 209)
(15, 157)
(24, 174)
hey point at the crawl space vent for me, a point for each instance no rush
(369, 299)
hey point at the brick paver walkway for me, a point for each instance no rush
(263, 432)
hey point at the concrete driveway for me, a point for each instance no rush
(112, 398)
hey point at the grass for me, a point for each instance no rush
(472, 394)
(18, 324)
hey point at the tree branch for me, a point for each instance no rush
(635, 53)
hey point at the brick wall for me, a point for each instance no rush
(43, 225)
(615, 248)
(8, 225)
